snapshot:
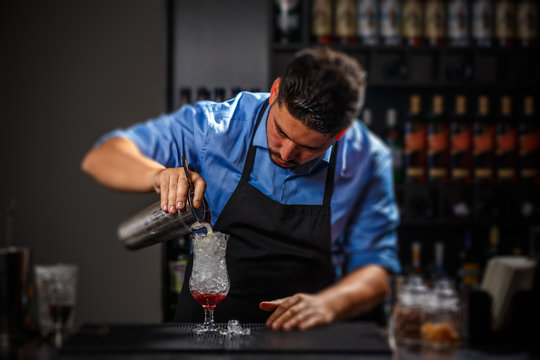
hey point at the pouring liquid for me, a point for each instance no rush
(199, 225)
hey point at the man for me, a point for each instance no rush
(296, 182)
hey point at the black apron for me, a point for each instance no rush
(274, 250)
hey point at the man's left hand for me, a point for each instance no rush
(300, 311)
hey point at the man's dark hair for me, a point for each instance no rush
(323, 88)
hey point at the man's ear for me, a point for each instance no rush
(341, 133)
(274, 91)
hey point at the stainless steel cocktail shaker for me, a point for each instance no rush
(153, 225)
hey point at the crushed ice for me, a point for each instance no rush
(234, 328)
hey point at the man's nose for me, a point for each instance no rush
(288, 151)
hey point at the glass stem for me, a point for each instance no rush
(209, 316)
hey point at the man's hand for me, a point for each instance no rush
(172, 185)
(300, 311)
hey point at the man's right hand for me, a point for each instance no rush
(172, 185)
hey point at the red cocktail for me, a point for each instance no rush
(208, 300)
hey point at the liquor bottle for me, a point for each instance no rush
(321, 21)
(506, 144)
(235, 90)
(529, 144)
(439, 270)
(411, 22)
(434, 24)
(345, 26)
(394, 140)
(368, 22)
(458, 23)
(460, 144)
(415, 143)
(177, 258)
(505, 22)
(367, 117)
(203, 94)
(438, 160)
(390, 23)
(527, 22)
(494, 241)
(416, 258)
(185, 96)
(483, 144)
(482, 28)
(219, 94)
(469, 266)
(287, 21)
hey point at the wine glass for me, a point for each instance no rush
(209, 282)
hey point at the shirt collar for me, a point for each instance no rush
(260, 140)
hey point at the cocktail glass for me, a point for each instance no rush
(209, 282)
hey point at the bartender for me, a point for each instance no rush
(299, 184)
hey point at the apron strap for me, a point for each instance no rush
(248, 165)
(329, 187)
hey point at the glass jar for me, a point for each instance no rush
(442, 317)
(408, 314)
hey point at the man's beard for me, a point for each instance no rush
(276, 154)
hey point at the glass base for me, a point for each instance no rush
(206, 328)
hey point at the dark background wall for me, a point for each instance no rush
(71, 71)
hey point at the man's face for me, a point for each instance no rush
(290, 142)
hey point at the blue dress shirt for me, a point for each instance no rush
(215, 138)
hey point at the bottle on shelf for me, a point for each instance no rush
(177, 258)
(203, 93)
(321, 21)
(345, 23)
(390, 22)
(416, 258)
(434, 23)
(235, 90)
(529, 143)
(460, 143)
(287, 21)
(482, 23)
(527, 22)
(185, 96)
(438, 158)
(483, 144)
(368, 22)
(506, 143)
(439, 271)
(505, 22)
(367, 117)
(219, 94)
(411, 22)
(469, 265)
(415, 143)
(394, 140)
(494, 241)
(458, 23)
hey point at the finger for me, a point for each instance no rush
(310, 322)
(293, 315)
(171, 199)
(200, 187)
(300, 317)
(181, 193)
(164, 187)
(286, 303)
(268, 305)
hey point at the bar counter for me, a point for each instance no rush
(354, 340)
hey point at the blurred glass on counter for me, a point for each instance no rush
(56, 287)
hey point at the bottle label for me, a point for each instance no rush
(412, 19)
(415, 141)
(505, 19)
(390, 19)
(483, 142)
(435, 19)
(438, 142)
(461, 142)
(367, 18)
(507, 141)
(345, 18)
(321, 18)
(458, 18)
(529, 143)
(527, 23)
(482, 20)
